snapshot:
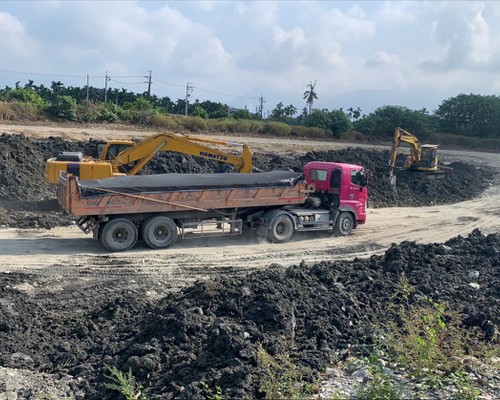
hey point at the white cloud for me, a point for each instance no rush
(273, 48)
(210, 58)
(383, 59)
(481, 48)
(295, 37)
(464, 38)
(257, 13)
(398, 11)
(347, 26)
(15, 42)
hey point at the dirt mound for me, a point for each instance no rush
(27, 201)
(210, 332)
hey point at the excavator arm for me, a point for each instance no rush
(400, 135)
(140, 154)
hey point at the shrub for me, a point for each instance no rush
(309, 132)
(24, 111)
(193, 124)
(164, 121)
(217, 125)
(6, 113)
(274, 128)
(63, 107)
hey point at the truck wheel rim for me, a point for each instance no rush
(346, 224)
(161, 232)
(120, 235)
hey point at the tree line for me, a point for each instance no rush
(469, 115)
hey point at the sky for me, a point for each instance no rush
(364, 54)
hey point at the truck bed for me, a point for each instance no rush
(179, 192)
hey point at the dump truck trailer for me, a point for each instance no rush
(158, 208)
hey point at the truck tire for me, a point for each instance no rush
(159, 232)
(119, 234)
(281, 229)
(344, 224)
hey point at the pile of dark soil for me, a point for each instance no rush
(210, 332)
(27, 201)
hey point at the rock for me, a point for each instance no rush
(362, 373)
(473, 274)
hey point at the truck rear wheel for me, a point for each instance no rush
(281, 229)
(344, 224)
(159, 232)
(119, 234)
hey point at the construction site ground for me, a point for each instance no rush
(68, 307)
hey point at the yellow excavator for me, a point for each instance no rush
(421, 157)
(125, 157)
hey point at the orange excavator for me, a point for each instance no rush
(125, 157)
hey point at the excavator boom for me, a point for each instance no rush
(121, 157)
(144, 151)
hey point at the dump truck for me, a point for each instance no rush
(158, 209)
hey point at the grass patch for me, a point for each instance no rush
(124, 383)
(428, 340)
(283, 380)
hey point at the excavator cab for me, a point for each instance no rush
(428, 158)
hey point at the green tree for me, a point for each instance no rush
(471, 115)
(63, 107)
(382, 122)
(310, 95)
(25, 95)
(283, 114)
(278, 113)
(336, 121)
(200, 112)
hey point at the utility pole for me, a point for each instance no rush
(87, 90)
(261, 106)
(149, 84)
(189, 89)
(106, 80)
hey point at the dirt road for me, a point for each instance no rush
(67, 256)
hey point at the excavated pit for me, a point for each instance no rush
(209, 332)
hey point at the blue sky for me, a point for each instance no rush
(360, 54)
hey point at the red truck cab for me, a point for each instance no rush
(340, 187)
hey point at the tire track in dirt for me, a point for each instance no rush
(64, 258)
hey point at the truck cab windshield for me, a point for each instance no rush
(358, 178)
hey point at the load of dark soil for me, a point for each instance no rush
(211, 332)
(27, 201)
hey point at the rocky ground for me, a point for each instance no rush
(57, 340)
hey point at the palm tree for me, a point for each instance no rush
(310, 95)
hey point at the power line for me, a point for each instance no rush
(108, 78)
(126, 83)
(168, 84)
(226, 94)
